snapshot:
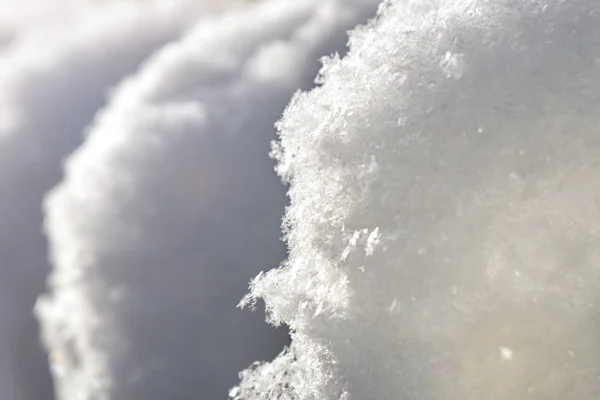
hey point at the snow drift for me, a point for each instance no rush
(444, 228)
(172, 205)
(53, 79)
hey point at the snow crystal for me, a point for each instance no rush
(453, 65)
(483, 117)
(506, 353)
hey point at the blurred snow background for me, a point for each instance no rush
(54, 76)
(169, 207)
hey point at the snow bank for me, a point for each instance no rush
(52, 82)
(172, 205)
(444, 228)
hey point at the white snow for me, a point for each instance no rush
(481, 121)
(53, 78)
(172, 205)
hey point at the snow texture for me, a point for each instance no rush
(444, 227)
(53, 79)
(172, 205)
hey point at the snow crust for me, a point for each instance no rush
(444, 228)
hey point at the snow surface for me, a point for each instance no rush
(172, 205)
(53, 78)
(444, 228)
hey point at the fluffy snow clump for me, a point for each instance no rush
(444, 228)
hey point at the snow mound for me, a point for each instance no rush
(444, 228)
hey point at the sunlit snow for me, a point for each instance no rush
(466, 134)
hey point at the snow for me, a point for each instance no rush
(171, 206)
(23, 18)
(444, 229)
(54, 77)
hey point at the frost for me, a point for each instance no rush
(483, 119)
(171, 206)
